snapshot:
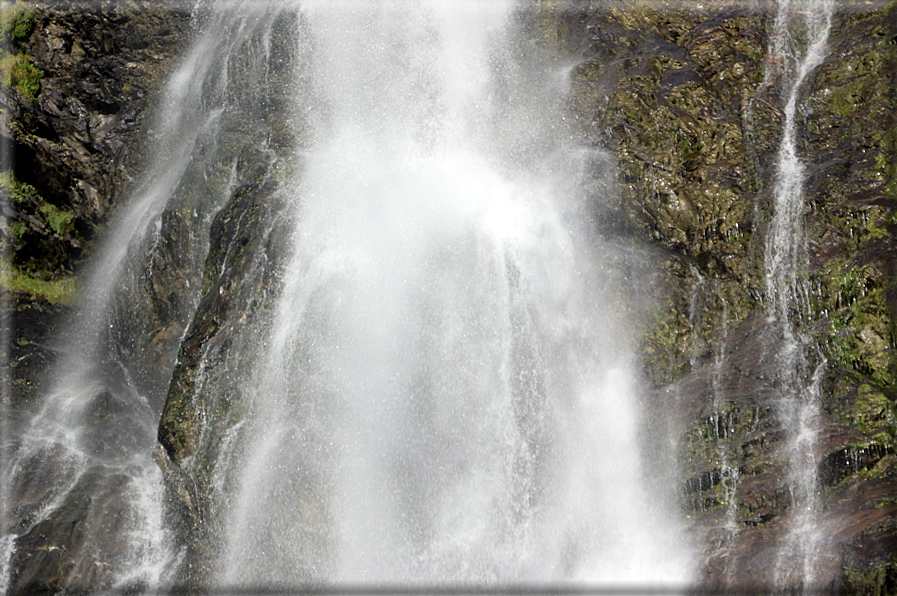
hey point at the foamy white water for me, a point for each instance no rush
(447, 395)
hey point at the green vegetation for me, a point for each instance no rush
(62, 291)
(17, 22)
(875, 414)
(878, 580)
(18, 72)
(666, 345)
(19, 192)
(26, 198)
(16, 69)
(859, 336)
(37, 224)
(60, 220)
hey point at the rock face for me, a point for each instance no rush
(690, 106)
(72, 151)
(241, 275)
(80, 142)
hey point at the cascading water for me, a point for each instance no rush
(799, 45)
(401, 358)
(705, 297)
(82, 497)
(446, 395)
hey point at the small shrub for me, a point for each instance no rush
(19, 192)
(18, 228)
(60, 220)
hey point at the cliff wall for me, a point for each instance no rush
(691, 105)
(72, 146)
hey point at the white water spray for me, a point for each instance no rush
(787, 291)
(447, 396)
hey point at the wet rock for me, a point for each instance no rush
(30, 329)
(51, 557)
(690, 106)
(239, 280)
(73, 150)
(204, 399)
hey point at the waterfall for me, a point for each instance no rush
(446, 394)
(786, 253)
(799, 43)
(81, 485)
(369, 320)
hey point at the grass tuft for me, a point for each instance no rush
(60, 291)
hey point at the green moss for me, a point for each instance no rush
(550, 30)
(860, 335)
(875, 413)
(178, 431)
(719, 435)
(847, 99)
(667, 345)
(878, 580)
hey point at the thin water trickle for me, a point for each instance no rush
(799, 44)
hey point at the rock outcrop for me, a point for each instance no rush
(73, 142)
